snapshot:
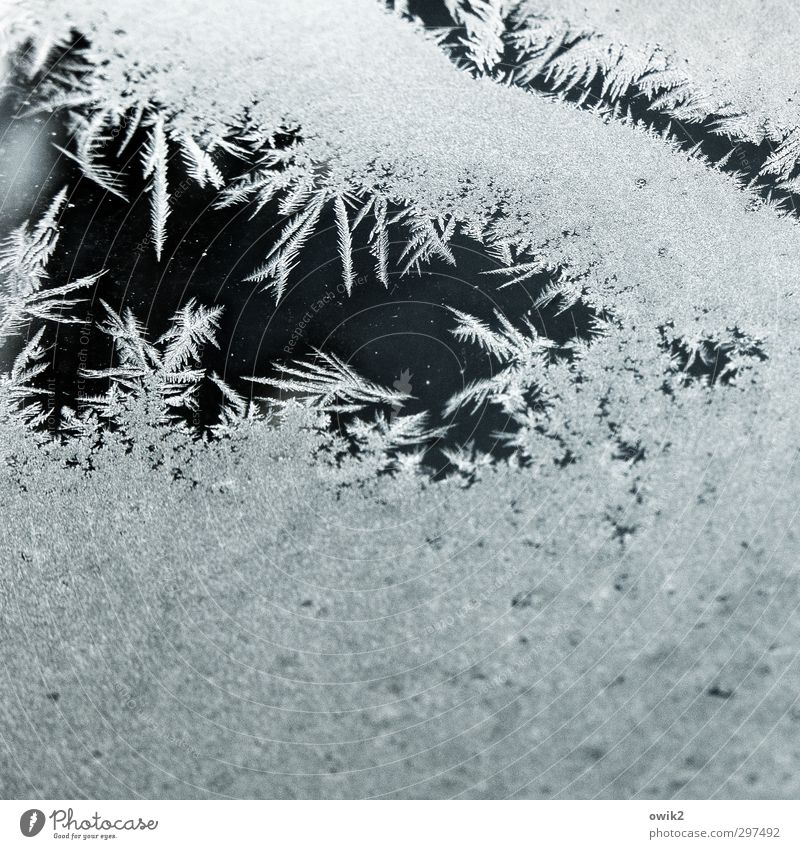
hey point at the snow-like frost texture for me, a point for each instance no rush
(739, 55)
(659, 238)
(641, 489)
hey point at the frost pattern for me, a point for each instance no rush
(661, 447)
(695, 63)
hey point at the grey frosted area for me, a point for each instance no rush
(266, 632)
(738, 54)
(304, 577)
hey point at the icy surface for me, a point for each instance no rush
(739, 54)
(276, 610)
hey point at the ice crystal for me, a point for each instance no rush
(649, 461)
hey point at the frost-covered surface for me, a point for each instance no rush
(729, 61)
(739, 54)
(254, 628)
(280, 611)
